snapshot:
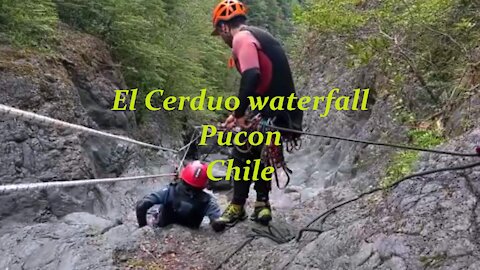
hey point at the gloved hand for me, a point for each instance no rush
(217, 225)
(141, 212)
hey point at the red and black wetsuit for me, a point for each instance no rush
(265, 70)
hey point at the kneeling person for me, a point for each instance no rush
(184, 203)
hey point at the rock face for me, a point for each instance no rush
(426, 222)
(39, 228)
(74, 243)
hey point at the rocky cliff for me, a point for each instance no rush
(426, 222)
(423, 223)
(55, 229)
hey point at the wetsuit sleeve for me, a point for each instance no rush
(157, 197)
(245, 48)
(213, 210)
(146, 203)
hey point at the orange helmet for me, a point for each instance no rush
(226, 10)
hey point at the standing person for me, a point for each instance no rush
(265, 71)
(184, 203)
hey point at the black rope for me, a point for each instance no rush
(213, 147)
(257, 233)
(319, 231)
(443, 152)
(380, 143)
(356, 198)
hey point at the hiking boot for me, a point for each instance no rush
(262, 213)
(233, 214)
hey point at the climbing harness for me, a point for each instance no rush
(271, 154)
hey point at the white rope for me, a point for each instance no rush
(187, 146)
(46, 185)
(190, 143)
(29, 116)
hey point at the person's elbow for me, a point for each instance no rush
(251, 76)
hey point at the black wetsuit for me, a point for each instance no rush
(272, 78)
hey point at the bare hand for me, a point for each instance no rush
(229, 122)
(242, 122)
(232, 122)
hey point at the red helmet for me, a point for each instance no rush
(195, 174)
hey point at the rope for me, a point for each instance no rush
(281, 239)
(190, 143)
(380, 143)
(187, 148)
(477, 154)
(213, 147)
(40, 119)
(40, 186)
(358, 197)
(276, 236)
(278, 239)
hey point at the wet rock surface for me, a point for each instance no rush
(42, 229)
(429, 222)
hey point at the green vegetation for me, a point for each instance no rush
(159, 44)
(423, 54)
(274, 15)
(429, 42)
(402, 162)
(143, 264)
(433, 260)
(27, 23)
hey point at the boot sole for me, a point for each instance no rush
(233, 223)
